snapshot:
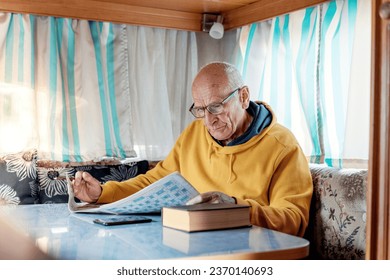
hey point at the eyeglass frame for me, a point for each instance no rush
(223, 102)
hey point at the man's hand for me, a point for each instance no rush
(86, 188)
(211, 197)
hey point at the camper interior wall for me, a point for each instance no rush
(210, 49)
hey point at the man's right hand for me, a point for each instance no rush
(86, 188)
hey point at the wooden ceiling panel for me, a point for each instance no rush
(174, 14)
(264, 9)
(191, 6)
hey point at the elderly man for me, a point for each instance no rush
(234, 152)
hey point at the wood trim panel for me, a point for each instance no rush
(106, 11)
(264, 9)
(188, 18)
(378, 200)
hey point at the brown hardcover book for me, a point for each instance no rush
(200, 217)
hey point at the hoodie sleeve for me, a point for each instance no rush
(113, 191)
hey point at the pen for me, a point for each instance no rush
(64, 178)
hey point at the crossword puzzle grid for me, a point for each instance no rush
(170, 194)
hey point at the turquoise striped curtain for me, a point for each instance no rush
(53, 73)
(336, 41)
(304, 71)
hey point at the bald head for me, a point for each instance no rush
(221, 76)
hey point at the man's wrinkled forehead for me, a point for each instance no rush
(209, 81)
(206, 93)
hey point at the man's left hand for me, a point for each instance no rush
(211, 197)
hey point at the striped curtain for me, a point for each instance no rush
(61, 90)
(304, 68)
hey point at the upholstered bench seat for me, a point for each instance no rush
(337, 226)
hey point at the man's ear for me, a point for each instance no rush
(244, 97)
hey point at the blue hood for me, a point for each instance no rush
(262, 118)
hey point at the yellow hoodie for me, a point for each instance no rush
(268, 172)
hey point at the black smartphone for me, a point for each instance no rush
(111, 221)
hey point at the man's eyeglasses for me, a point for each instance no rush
(213, 108)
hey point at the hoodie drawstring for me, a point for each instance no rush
(231, 173)
(210, 151)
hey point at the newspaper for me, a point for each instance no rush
(172, 190)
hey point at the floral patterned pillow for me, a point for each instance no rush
(52, 186)
(18, 173)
